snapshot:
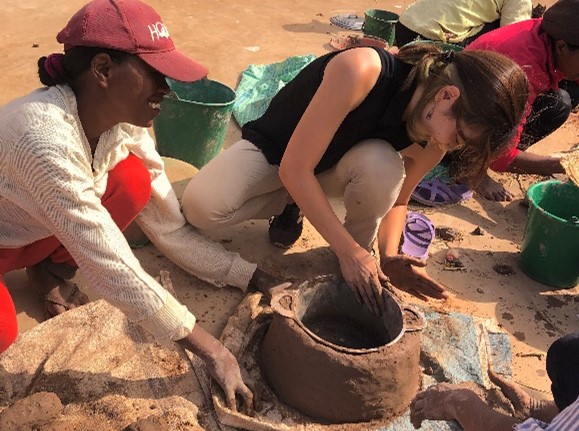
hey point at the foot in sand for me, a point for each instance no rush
(59, 295)
(493, 190)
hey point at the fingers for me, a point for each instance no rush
(495, 377)
(429, 287)
(417, 412)
(379, 297)
(356, 292)
(230, 398)
(415, 261)
(247, 397)
(367, 294)
(509, 389)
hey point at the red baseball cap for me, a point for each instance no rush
(133, 27)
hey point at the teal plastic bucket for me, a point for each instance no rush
(550, 250)
(381, 24)
(193, 120)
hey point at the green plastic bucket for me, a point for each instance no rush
(381, 24)
(550, 250)
(193, 120)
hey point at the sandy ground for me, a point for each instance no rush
(227, 36)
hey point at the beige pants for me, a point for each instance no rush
(239, 184)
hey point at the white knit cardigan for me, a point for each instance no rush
(50, 184)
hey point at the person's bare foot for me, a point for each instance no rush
(493, 190)
(59, 294)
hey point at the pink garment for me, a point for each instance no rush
(529, 46)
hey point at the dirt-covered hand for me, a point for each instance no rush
(438, 402)
(225, 370)
(519, 398)
(363, 275)
(221, 364)
(407, 273)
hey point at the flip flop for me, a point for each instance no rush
(349, 21)
(417, 236)
(435, 193)
(55, 306)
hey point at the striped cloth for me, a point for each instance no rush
(567, 420)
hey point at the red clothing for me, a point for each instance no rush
(128, 191)
(527, 44)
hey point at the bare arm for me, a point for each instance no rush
(529, 163)
(450, 402)
(347, 80)
(405, 272)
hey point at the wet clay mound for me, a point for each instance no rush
(243, 335)
(91, 369)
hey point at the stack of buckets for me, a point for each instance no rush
(550, 250)
(193, 120)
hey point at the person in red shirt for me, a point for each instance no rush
(547, 49)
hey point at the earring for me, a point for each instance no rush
(431, 112)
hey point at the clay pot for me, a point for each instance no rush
(332, 359)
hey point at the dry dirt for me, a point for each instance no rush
(227, 37)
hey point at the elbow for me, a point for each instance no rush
(285, 173)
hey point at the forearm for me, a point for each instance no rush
(474, 415)
(201, 343)
(163, 223)
(529, 163)
(390, 231)
(543, 410)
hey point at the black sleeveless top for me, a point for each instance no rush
(378, 116)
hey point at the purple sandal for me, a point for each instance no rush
(418, 235)
(435, 193)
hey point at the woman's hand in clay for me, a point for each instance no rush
(363, 275)
(407, 273)
(222, 366)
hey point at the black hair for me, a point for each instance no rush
(74, 62)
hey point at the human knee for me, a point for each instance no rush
(200, 208)
(130, 181)
(383, 172)
(562, 105)
(553, 107)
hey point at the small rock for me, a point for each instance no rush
(478, 231)
(479, 290)
(31, 412)
(503, 269)
(448, 233)
(35, 45)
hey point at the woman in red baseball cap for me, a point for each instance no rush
(77, 166)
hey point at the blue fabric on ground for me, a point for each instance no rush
(453, 349)
(259, 83)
